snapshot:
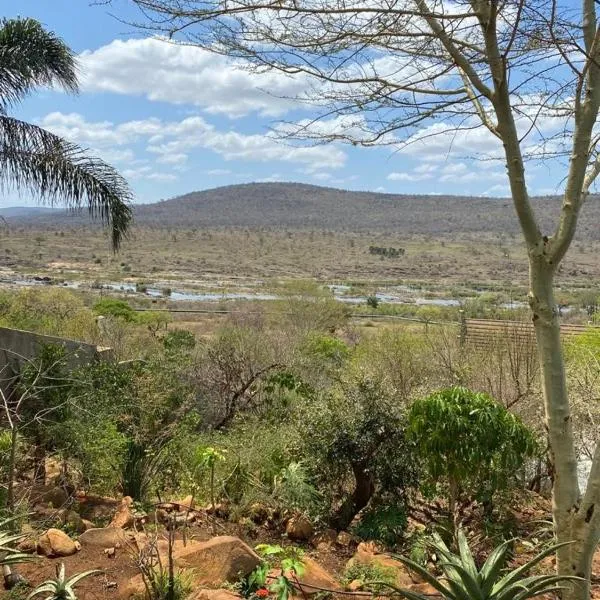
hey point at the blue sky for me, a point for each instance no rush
(177, 119)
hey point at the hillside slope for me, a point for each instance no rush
(301, 206)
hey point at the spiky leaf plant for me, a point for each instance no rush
(61, 587)
(462, 580)
(9, 555)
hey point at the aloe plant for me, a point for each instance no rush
(462, 580)
(61, 587)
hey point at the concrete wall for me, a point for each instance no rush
(17, 347)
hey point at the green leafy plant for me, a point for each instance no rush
(384, 524)
(61, 587)
(290, 566)
(494, 444)
(9, 555)
(206, 459)
(464, 581)
(371, 575)
(293, 488)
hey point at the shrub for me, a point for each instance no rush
(354, 439)
(385, 524)
(111, 307)
(469, 444)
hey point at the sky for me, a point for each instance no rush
(177, 119)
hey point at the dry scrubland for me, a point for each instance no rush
(238, 254)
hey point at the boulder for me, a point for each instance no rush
(299, 528)
(134, 588)
(219, 594)
(222, 559)
(104, 537)
(55, 543)
(124, 517)
(315, 578)
(56, 496)
(186, 503)
(344, 539)
(366, 554)
(323, 539)
(72, 520)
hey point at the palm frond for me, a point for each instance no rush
(31, 57)
(59, 172)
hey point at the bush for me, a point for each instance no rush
(469, 445)
(354, 439)
(385, 524)
(111, 307)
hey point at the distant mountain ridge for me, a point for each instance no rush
(309, 207)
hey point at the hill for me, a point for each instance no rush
(308, 207)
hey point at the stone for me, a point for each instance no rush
(72, 520)
(56, 496)
(187, 502)
(366, 554)
(355, 585)
(28, 545)
(88, 524)
(124, 517)
(323, 538)
(104, 537)
(344, 539)
(134, 588)
(221, 559)
(55, 543)
(218, 594)
(315, 578)
(299, 528)
(258, 513)
(110, 552)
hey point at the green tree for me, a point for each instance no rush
(469, 444)
(354, 438)
(53, 169)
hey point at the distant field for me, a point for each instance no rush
(234, 258)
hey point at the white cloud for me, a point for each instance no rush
(218, 172)
(449, 173)
(172, 141)
(180, 74)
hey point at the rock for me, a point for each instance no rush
(186, 503)
(27, 545)
(258, 513)
(315, 578)
(214, 595)
(56, 496)
(56, 543)
(355, 585)
(72, 519)
(110, 552)
(222, 559)
(88, 524)
(323, 538)
(299, 528)
(344, 539)
(104, 537)
(124, 517)
(424, 588)
(134, 588)
(366, 554)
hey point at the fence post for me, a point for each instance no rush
(462, 336)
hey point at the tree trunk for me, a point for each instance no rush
(572, 519)
(363, 492)
(10, 494)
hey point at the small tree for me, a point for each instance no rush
(469, 444)
(355, 438)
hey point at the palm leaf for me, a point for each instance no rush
(57, 171)
(492, 566)
(31, 57)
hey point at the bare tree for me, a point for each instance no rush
(381, 72)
